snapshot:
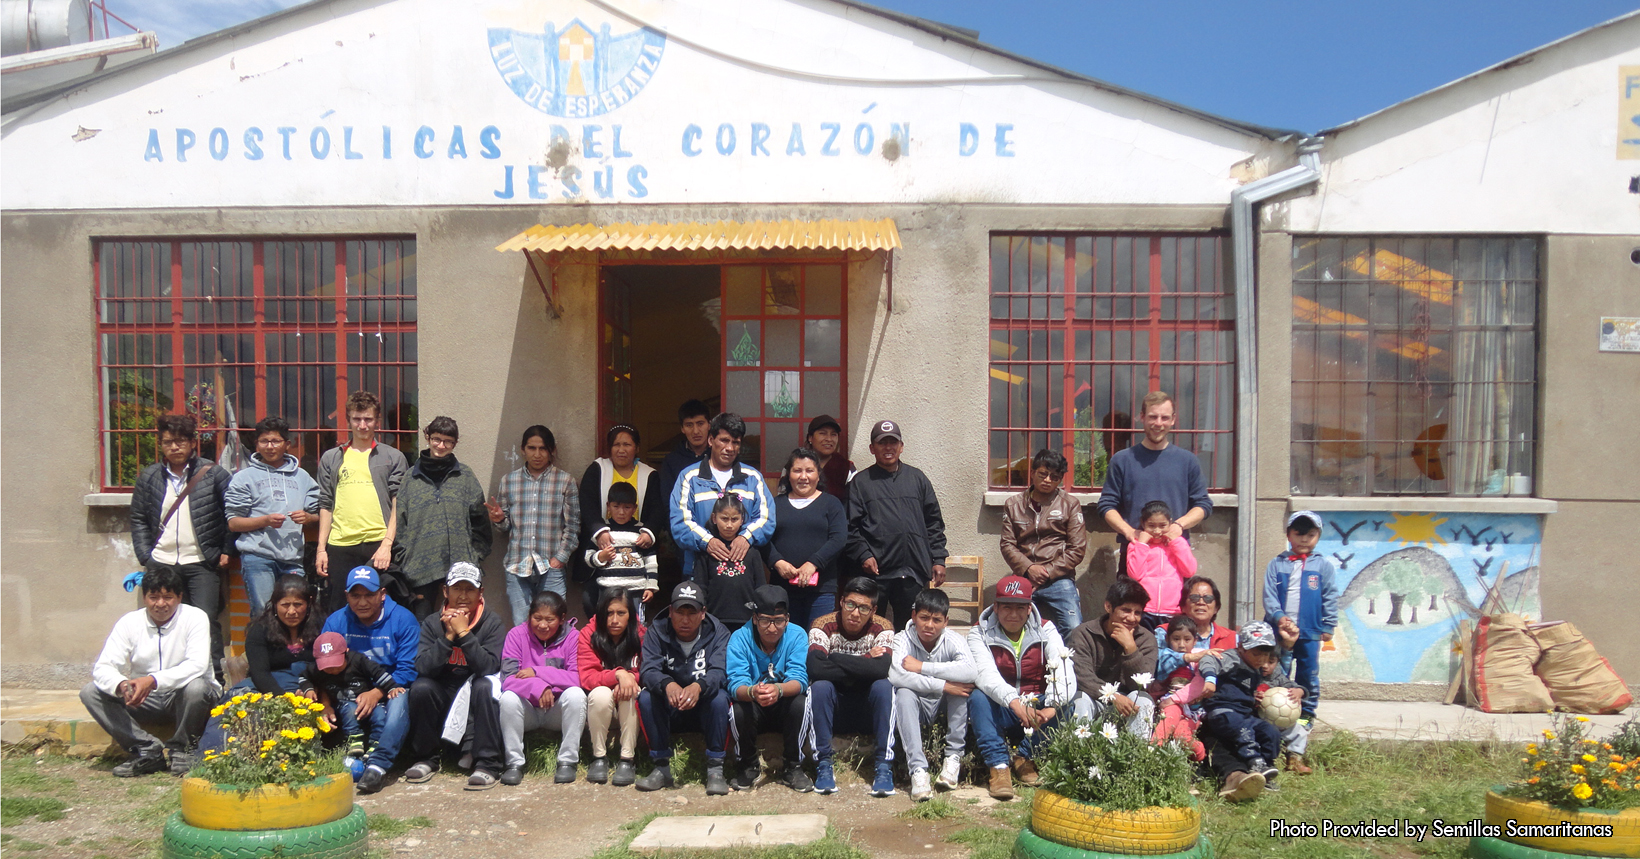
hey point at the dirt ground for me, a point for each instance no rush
(121, 818)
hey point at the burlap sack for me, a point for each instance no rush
(1505, 652)
(1579, 679)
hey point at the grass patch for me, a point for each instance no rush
(26, 846)
(16, 809)
(1357, 779)
(388, 826)
(985, 842)
(833, 846)
(938, 808)
(163, 803)
(24, 774)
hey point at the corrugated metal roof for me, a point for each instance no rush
(722, 235)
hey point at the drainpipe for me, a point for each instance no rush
(1244, 241)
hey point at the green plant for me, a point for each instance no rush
(388, 826)
(271, 739)
(1571, 770)
(15, 809)
(1626, 741)
(1100, 764)
(939, 808)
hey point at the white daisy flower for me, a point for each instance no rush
(1093, 772)
(1108, 732)
(1142, 679)
(1108, 692)
(1083, 732)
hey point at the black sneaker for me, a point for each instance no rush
(747, 779)
(512, 776)
(659, 778)
(1270, 785)
(716, 784)
(565, 774)
(598, 771)
(1263, 768)
(794, 778)
(372, 780)
(626, 772)
(141, 765)
(181, 762)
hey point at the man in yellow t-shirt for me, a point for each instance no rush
(358, 483)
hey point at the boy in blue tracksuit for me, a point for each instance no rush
(1302, 585)
(388, 633)
(769, 684)
(700, 486)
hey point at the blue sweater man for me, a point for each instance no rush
(769, 684)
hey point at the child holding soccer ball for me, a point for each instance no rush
(1246, 742)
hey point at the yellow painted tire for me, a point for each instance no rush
(1145, 832)
(225, 808)
(1625, 840)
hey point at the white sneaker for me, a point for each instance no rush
(921, 790)
(951, 773)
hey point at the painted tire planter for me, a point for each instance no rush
(226, 808)
(1145, 832)
(1482, 847)
(347, 838)
(1029, 845)
(1625, 840)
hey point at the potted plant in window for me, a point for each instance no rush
(273, 791)
(1568, 777)
(1108, 791)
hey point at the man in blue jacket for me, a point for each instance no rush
(685, 686)
(769, 679)
(387, 632)
(698, 488)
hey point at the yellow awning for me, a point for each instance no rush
(722, 235)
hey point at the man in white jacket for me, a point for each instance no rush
(155, 667)
(931, 670)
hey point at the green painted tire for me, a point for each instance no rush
(1481, 847)
(347, 838)
(1029, 845)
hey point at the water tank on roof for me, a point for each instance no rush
(36, 25)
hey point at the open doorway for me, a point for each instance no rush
(661, 342)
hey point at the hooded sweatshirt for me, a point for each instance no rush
(1162, 570)
(949, 662)
(1042, 668)
(665, 662)
(392, 641)
(749, 665)
(555, 662)
(259, 489)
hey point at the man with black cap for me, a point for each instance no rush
(769, 679)
(685, 686)
(895, 530)
(826, 438)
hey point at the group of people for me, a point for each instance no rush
(777, 623)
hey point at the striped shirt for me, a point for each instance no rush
(547, 513)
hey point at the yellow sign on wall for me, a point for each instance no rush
(1628, 112)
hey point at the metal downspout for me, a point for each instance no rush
(1244, 241)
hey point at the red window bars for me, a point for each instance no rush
(231, 331)
(1083, 326)
(1414, 365)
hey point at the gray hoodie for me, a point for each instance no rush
(949, 661)
(259, 489)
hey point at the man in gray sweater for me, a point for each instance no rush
(932, 670)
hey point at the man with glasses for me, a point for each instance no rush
(1044, 539)
(178, 521)
(358, 483)
(769, 679)
(849, 652)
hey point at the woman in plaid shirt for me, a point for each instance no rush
(542, 501)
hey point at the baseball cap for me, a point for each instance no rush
(823, 421)
(768, 599)
(1304, 514)
(364, 575)
(885, 429)
(1015, 590)
(1256, 634)
(687, 593)
(329, 650)
(461, 571)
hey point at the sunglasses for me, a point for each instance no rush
(1202, 599)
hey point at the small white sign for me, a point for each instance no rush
(1620, 333)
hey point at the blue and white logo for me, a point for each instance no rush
(574, 72)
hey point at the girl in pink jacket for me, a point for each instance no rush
(1160, 564)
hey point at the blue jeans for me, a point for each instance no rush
(259, 571)
(989, 720)
(805, 604)
(1307, 659)
(1060, 602)
(521, 591)
(848, 709)
(710, 717)
(388, 724)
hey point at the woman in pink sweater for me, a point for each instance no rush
(1160, 564)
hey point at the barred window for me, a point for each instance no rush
(1414, 365)
(232, 331)
(1083, 326)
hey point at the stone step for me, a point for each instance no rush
(721, 832)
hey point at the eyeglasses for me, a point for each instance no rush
(857, 607)
(765, 620)
(1202, 599)
(176, 442)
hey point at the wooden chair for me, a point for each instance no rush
(964, 582)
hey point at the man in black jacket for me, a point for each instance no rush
(685, 686)
(460, 643)
(895, 530)
(177, 521)
(849, 652)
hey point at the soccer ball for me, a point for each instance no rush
(1279, 709)
(355, 766)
